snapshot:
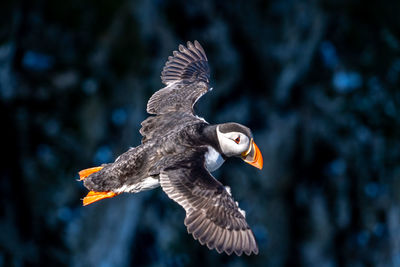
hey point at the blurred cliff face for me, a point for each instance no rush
(316, 81)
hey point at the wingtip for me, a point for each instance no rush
(188, 63)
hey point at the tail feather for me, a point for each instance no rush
(86, 172)
(96, 196)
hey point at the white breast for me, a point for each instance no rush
(213, 159)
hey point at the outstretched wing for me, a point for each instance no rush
(212, 216)
(186, 76)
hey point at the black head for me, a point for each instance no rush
(235, 139)
(230, 127)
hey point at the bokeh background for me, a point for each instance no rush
(316, 81)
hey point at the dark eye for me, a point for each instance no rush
(237, 140)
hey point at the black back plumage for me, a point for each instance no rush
(164, 124)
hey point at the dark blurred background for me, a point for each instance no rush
(316, 81)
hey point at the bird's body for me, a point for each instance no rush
(178, 152)
(164, 149)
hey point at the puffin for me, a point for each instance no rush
(178, 152)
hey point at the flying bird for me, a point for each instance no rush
(178, 152)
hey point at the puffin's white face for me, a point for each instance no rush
(233, 143)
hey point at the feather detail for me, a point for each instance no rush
(189, 64)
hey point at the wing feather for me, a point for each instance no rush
(212, 236)
(186, 76)
(212, 216)
(239, 243)
(220, 243)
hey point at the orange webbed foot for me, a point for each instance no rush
(86, 172)
(96, 196)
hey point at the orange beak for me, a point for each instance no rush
(253, 156)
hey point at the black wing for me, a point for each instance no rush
(212, 216)
(186, 75)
